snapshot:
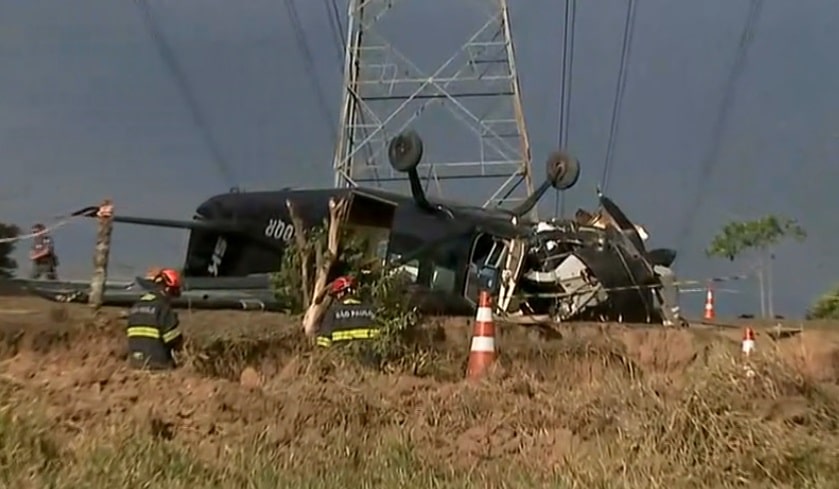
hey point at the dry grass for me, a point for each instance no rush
(609, 408)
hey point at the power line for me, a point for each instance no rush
(337, 15)
(712, 155)
(564, 116)
(309, 66)
(562, 132)
(336, 29)
(620, 88)
(167, 55)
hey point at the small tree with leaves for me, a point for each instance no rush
(7, 264)
(758, 236)
(826, 306)
(319, 254)
(389, 291)
(292, 286)
(386, 289)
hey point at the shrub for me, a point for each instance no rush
(826, 306)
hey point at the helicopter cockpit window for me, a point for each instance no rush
(443, 279)
(410, 268)
(381, 249)
(441, 274)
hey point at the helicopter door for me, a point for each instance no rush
(487, 250)
(516, 252)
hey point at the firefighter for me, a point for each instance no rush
(347, 318)
(153, 332)
(42, 255)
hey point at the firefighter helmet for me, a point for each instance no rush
(342, 284)
(170, 279)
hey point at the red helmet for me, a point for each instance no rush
(170, 279)
(342, 284)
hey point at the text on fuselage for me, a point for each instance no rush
(279, 229)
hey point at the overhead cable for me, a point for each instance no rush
(564, 116)
(337, 28)
(620, 88)
(712, 155)
(167, 55)
(309, 66)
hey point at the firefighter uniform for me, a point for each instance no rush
(42, 254)
(153, 332)
(346, 320)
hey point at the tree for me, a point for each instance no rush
(333, 249)
(826, 306)
(7, 264)
(317, 260)
(760, 235)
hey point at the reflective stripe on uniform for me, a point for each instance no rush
(148, 297)
(355, 334)
(143, 332)
(171, 335)
(348, 335)
(152, 332)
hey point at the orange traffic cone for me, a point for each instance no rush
(748, 344)
(482, 352)
(710, 314)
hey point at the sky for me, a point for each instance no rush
(88, 110)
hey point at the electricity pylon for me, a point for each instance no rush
(466, 107)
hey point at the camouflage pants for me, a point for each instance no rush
(45, 269)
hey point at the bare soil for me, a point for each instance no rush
(551, 400)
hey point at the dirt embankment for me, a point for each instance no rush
(588, 404)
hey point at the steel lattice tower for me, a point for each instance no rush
(467, 108)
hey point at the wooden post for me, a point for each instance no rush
(101, 254)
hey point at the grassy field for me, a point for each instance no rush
(598, 407)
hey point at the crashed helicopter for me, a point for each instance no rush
(595, 266)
